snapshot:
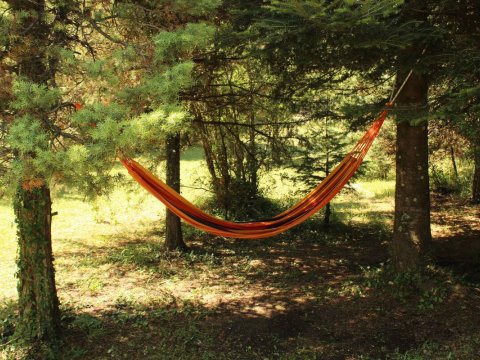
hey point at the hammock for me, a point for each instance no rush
(309, 205)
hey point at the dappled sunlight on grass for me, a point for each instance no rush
(378, 189)
(366, 202)
(7, 253)
(81, 227)
(312, 292)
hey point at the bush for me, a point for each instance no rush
(242, 207)
(444, 181)
(7, 321)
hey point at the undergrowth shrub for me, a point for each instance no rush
(7, 322)
(242, 207)
(443, 179)
(429, 287)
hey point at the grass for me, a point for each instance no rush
(311, 293)
(7, 252)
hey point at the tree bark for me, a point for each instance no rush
(252, 163)
(476, 177)
(173, 226)
(37, 295)
(38, 301)
(411, 236)
(454, 163)
(328, 208)
(326, 216)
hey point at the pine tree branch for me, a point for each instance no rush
(232, 123)
(102, 32)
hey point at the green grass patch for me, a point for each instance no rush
(314, 292)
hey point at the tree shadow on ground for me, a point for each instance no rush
(336, 327)
(457, 242)
(313, 293)
(460, 253)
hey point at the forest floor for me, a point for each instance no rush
(312, 293)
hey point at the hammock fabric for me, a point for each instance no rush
(313, 202)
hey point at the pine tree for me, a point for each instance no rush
(29, 135)
(152, 68)
(321, 147)
(43, 135)
(323, 43)
(238, 120)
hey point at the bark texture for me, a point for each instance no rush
(412, 236)
(38, 301)
(173, 226)
(476, 177)
(454, 163)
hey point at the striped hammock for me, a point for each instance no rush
(309, 205)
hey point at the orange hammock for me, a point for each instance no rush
(300, 212)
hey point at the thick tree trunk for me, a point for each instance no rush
(476, 177)
(37, 295)
(38, 302)
(412, 236)
(173, 227)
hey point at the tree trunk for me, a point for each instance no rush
(476, 177)
(209, 159)
(328, 208)
(252, 163)
(275, 148)
(38, 302)
(173, 227)
(454, 164)
(411, 236)
(37, 295)
(326, 216)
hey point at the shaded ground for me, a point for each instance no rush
(310, 294)
(457, 236)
